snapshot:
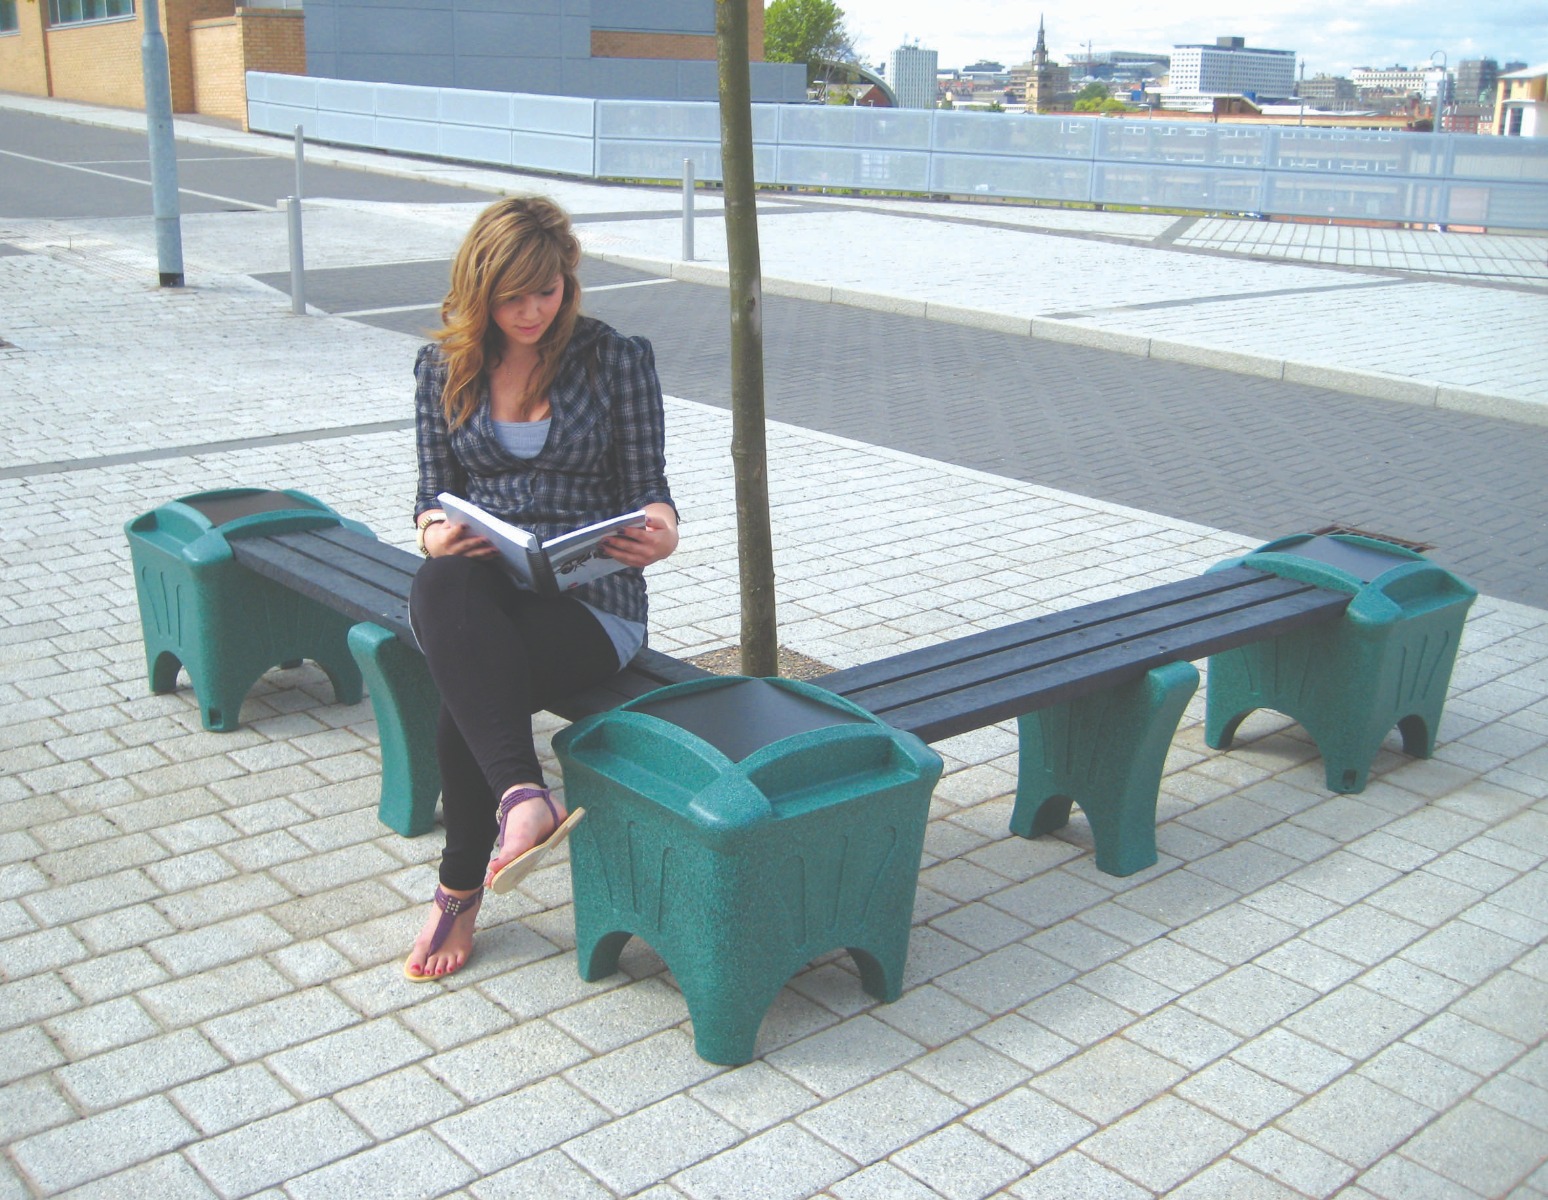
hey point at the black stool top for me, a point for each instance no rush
(746, 715)
(219, 510)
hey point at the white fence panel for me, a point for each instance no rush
(1139, 161)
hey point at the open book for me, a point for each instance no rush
(557, 565)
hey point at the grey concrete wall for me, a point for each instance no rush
(541, 46)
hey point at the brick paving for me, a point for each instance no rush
(1309, 995)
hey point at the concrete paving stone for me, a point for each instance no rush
(342, 829)
(1074, 1174)
(653, 1143)
(1244, 867)
(1519, 926)
(100, 1145)
(231, 1098)
(835, 985)
(188, 871)
(1241, 1096)
(1355, 1120)
(979, 925)
(231, 897)
(32, 999)
(1516, 1098)
(21, 879)
(277, 1024)
(1342, 878)
(1177, 898)
(26, 1051)
(264, 850)
(1533, 1067)
(393, 1104)
(1295, 1061)
(552, 1176)
(31, 1106)
(1398, 1178)
(1248, 1000)
(872, 1121)
(454, 1018)
(641, 1073)
(1400, 980)
(1029, 1124)
(969, 1071)
(1077, 943)
(958, 1163)
(1230, 1180)
(34, 953)
(930, 1016)
(339, 1060)
(218, 944)
(1394, 852)
(1512, 1003)
(139, 1069)
(1135, 992)
(1463, 952)
(1479, 1147)
(1173, 965)
(837, 1059)
(1111, 1078)
(1354, 1021)
(1234, 935)
(327, 871)
(309, 963)
(513, 1058)
(418, 1165)
(1425, 897)
(1294, 1162)
(882, 1181)
(626, 1014)
(541, 986)
(1005, 979)
(1465, 1044)
(784, 1162)
(265, 816)
(317, 915)
(1074, 1013)
(186, 836)
(1471, 870)
(169, 1176)
(101, 1027)
(196, 998)
(1162, 1143)
(275, 1149)
(1299, 960)
(753, 1096)
(1049, 898)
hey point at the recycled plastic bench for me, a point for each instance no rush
(1349, 636)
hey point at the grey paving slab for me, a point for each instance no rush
(199, 933)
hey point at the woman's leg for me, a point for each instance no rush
(497, 655)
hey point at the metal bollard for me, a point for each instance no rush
(297, 264)
(300, 159)
(687, 210)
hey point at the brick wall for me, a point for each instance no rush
(23, 65)
(99, 64)
(224, 49)
(618, 43)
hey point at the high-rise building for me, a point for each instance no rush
(1400, 80)
(1476, 78)
(1332, 93)
(911, 72)
(1230, 68)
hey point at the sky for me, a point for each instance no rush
(1331, 36)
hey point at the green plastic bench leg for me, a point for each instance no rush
(1346, 685)
(227, 627)
(406, 702)
(1106, 753)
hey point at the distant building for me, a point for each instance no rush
(1332, 93)
(1119, 66)
(911, 74)
(1521, 104)
(1476, 80)
(1229, 68)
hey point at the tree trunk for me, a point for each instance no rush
(749, 457)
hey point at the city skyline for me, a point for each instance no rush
(1329, 36)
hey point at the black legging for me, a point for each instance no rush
(498, 655)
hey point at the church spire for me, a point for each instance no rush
(1040, 54)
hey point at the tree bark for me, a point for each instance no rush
(749, 455)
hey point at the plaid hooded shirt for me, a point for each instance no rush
(605, 452)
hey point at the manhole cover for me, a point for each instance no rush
(1417, 547)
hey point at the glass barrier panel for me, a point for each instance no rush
(1028, 178)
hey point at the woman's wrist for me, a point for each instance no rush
(423, 524)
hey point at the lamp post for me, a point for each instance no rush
(1437, 127)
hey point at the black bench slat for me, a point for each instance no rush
(328, 580)
(956, 650)
(647, 671)
(1042, 641)
(1012, 696)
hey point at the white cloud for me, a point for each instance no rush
(1332, 36)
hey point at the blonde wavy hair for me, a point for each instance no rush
(516, 247)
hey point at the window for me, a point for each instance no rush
(74, 12)
(8, 16)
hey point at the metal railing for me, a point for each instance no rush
(1449, 178)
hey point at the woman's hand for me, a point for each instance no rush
(641, 547)
(446, 537)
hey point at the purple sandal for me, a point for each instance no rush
(451, 908)
(508, 876)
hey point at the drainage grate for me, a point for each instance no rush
(1417, 547)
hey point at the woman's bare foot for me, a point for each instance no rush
(452, 916)
(527, 823)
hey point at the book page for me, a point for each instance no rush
(577, 557)
(515, 544)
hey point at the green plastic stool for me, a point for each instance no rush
(738, 861)
(407, 703)
(201, 610)
(1387, 662)
(1106, 753)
